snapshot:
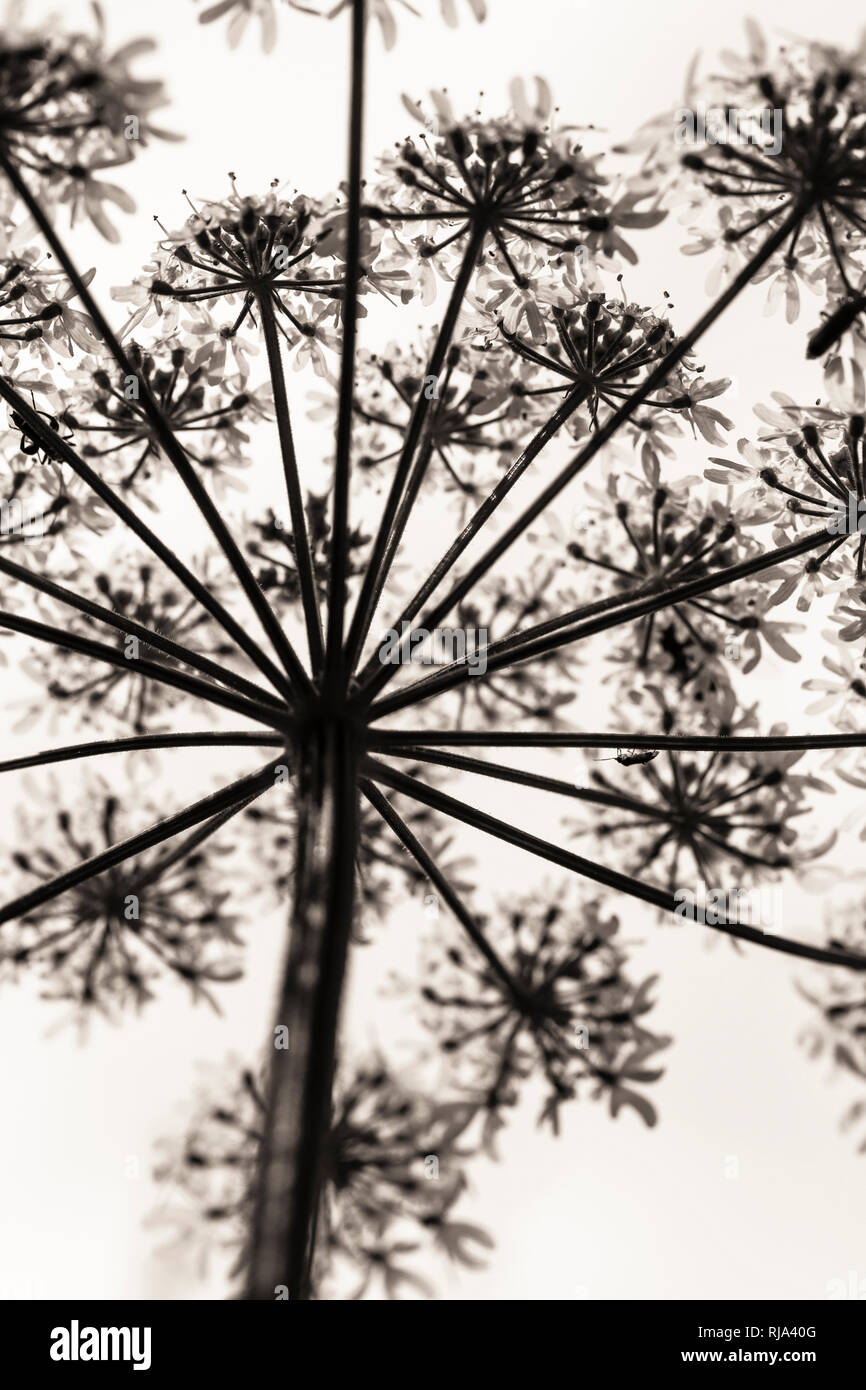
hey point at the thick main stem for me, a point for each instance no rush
(298, 1103)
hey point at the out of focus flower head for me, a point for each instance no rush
(72, 108)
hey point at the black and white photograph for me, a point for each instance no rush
(433, 656)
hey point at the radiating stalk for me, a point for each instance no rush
(342, 468)
(300, 536)
(383, 549)
(165, 436)
(655, 379)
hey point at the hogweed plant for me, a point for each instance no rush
(295, 632)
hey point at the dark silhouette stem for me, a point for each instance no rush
(635, 888)
(130, 627)
(149, 670)
(512, 835)
(383, 550)
(300, 536)
(374, 675)
(165, 436)
(72, 751)
(547, 637)
(60, 449)
(606, 431)
(343, 463)
(298, 1102)
(241, 791)
(534, 781)
(440, 882)
(386, 740)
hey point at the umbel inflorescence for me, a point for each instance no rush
(510, 468)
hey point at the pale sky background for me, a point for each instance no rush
(610, 1210)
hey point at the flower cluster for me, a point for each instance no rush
(110, 424)
(71, 108)
(645, 535)
(810, 461)
(597, 351)
(266, 255)
(393, 1173)
(271, 547)
(141, 593)
(240, 12)
(478, 407)
(105, 943)
(504, 192)
(557, 1001)
(719, 817)
(788, 158)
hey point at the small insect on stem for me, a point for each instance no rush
(630, 757)
(31, 446)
